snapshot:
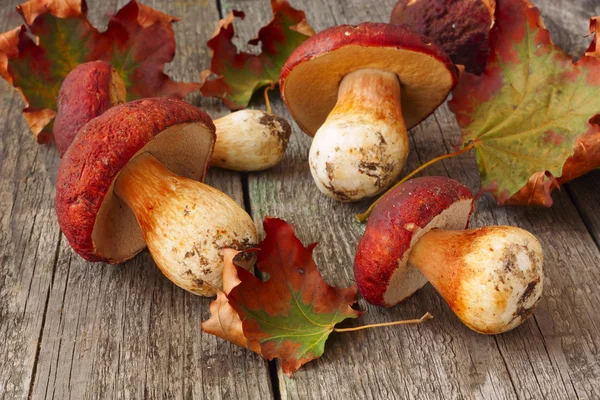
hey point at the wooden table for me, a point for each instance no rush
(72, 330)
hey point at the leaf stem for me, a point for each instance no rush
(363, 217)
(267, 101)
(424, 318)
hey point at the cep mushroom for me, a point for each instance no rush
(132, 177)
(88, 91)
(357, 90)
(491, 277)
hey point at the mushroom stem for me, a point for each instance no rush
(362, 146)
(491, 277)
(250, 140)
(186, 224)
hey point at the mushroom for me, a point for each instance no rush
(357, 90)
(144, 161)
(88, 91)
(460, 27)
(247, 140)
(491, 277)
(250, 140)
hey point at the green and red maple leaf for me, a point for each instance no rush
(533, 115)
(289, 316)
(235, 75)
(57, 36)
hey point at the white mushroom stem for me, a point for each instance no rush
(362, 146)
(250, 140)
(186, 224)
(491, 277)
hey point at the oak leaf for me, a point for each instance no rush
(532, 116)
(57, 36)
(289, 316)
(235, 75)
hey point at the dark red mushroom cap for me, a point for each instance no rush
(382, 272)
(312, 74)
(98, 225)
(88, 90)
(460, 27)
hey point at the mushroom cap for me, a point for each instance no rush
(461, 27)
(381, 268)
(88, 90)
(99, 225)
(311, 76)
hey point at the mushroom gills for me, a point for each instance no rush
(362, 146)
(186, 223)
(491, 277)
(407, 278)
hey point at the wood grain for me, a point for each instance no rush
(29, 239)
(551, 356)
(72, 329)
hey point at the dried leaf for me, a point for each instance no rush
(138, 42)
(532, 115)
(291, 315)
(593, 50)
(224, 321)
(239, 74)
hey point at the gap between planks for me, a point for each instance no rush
(272, 364)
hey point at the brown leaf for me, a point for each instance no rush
(593, 50)
(59, 8)
(224, 321)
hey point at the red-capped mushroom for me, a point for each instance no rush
(460, 27)
(247, 140)
(144, 161)
(357, 89)
(88, 91)
(491, 277)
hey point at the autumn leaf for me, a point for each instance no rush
(592, 51)
(224, 321)
(532, 116)
(291, 315)
(138, 42)
(235, 75)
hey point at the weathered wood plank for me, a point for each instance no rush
(109, 331)
(585, 192)
(126, 332)
(29, 236)
(551, 356)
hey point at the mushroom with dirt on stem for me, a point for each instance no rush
(491, 277)
(250, 140)
(357, 90)
(132, 177)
